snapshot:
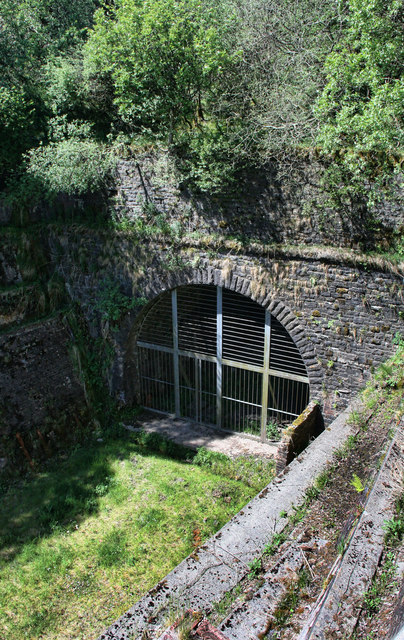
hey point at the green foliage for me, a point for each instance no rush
(287, 606)
(32, 31)
(357, 483)
(73, 164)
(111, 303)
(394, 527)
(273, 430)
(164, 57)
(380, 585)
(391, 373)
(21, 122)
(276, 541)
(245, 468)
(255, 566)
(394, 531)
(361, 106)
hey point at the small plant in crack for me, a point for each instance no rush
(272, 546)
(255, 567)
(394, 527)
(381, 584)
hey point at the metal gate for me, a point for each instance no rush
(217, 357)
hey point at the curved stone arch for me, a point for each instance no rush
(246, 286)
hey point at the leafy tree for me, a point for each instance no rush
(31, 32)
(362, 105)
(165, 58)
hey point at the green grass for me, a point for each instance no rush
(83, 541)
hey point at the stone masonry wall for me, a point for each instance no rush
(42, 402)
(342, 316)
(270, 204)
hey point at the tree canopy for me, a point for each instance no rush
(222, 82)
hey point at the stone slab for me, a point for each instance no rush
(193, 435)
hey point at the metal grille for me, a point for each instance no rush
(217, 357)
(197, 319)
(243, 329)
(197, 384)
(285, 355)
(242, 392)
(157, 389)
(285, 396)
(157, 327)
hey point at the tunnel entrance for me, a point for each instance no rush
(219, 358)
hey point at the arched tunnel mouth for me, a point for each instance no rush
(217, 357)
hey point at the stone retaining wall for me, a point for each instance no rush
(272, 204)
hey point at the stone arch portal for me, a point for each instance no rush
(207, 353)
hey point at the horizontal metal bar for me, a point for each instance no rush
(171, 384)
(155, 347)
(286, 413)
(200, 356)
(242, 365)
(288, 376)
(250, 404)
(225, 361)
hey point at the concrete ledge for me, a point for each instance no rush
(205, 577)
(295, 438)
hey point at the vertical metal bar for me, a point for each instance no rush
(219, 352)
(175, 354)
(265, 374)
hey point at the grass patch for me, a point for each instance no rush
(84, 540)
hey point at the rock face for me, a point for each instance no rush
(42, 399)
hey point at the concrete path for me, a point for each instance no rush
(194, 435)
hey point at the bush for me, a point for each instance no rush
(72, 166)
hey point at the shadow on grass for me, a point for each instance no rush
(71, 489)
(68, 492)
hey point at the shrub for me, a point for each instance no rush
(72, 166)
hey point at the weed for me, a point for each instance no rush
(395, 526)
(276, 541)
(255, 567)
(290, 600)
(298, 515)
(356, 483)
(380, 585)
(222, 607)
(273, 431)
(341, 546)
(347, 447)
(322, 479)
(394, 531)
(312, 493)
